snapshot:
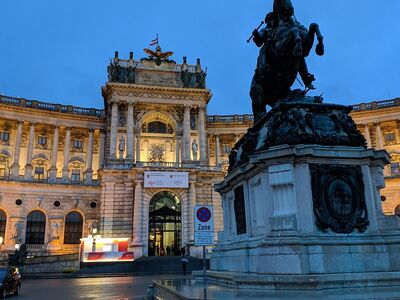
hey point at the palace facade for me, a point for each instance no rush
(66, 170)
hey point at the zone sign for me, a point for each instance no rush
(203, 225)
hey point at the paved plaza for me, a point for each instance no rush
(110, 288)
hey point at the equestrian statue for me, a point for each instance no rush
(285, 44)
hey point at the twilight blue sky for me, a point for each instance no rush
(57, 51)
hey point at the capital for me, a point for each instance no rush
(91, 130)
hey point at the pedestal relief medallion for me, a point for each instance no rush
(338, 198)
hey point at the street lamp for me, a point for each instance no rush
(94, 237)
(17, 247)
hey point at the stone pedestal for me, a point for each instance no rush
(301, 202)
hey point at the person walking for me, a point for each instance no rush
(184, 261)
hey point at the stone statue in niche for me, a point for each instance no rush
(121, 147)
(195, 149)
(17, 233)
(54, 232)
(122, 118)
(192, 122)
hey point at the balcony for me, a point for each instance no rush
(119, 164)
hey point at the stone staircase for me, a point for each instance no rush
(146, 265)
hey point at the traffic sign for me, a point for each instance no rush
(203, 225)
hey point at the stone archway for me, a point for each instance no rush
(165, 215)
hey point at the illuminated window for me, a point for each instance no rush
(226, 148)
(42, 140)
(78, 144)
(3, 166)
(35, 228)
(3, 222)
(76, 175)
(395, 168)
(4, 136)
(39, 173)
(157, 127)
(73, 228)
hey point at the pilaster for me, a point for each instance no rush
(17, 151)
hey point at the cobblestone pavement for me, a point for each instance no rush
(111, 288)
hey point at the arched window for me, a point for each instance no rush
(3, 222)
(35, 228)
(397, 211)
(73, 228)
(157, 127)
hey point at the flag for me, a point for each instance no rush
(154, 42)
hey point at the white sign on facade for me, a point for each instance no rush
(154, 179)
(203, 225)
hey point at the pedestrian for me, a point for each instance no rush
(158, 250)
(184, 261)
(168, 250)
(183, 251)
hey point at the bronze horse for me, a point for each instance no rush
(286, 44)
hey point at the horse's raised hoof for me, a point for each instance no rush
(320, 49)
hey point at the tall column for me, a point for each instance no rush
(65, 170)
(177, 149)
(202, 132)
(379, 137)
(138, 213)
(89, 158)
(138, 148)
(129, 131)
(54, 152)
(191, 205)
(17, 151)
(397, 131)
(114, 129)
(102, 147)
(217, 162)
(367, 135)
(237, 137)
(28, 166)
(186, 133)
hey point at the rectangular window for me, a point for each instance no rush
(395, 168)
(4, 136)
(39, 173)
(76, 175)
(2, 171)
(78, 144)
(42, 140)
(226, 148)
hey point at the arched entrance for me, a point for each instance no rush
(164, 224)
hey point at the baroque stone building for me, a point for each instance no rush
(66, 170)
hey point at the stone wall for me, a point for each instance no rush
(52, 264)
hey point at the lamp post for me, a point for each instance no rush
(94, 237)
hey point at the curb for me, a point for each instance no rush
(94, 275)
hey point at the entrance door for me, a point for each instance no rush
(164, 225)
